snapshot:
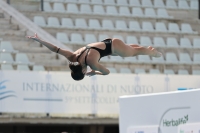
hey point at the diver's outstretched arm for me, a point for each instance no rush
(52, 47)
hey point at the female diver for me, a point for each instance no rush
(91, 54)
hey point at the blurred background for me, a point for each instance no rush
(171, 26)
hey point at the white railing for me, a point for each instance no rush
(29, 25)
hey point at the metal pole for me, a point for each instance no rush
(199, 9)
(8, 1)
(42, 5)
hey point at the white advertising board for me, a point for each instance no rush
(57, 92)
(167, 110)
(145, 129)
(189, 128)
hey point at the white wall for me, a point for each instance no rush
(166, 110)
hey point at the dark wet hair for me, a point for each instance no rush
(76, 71)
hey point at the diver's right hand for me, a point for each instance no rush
(35, 37)
(154, 52)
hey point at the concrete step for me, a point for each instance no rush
(9, 26)
(35, 50)
(4, 21)
(53, 32)
(19, 44)
(6, 32)
(183, 14)
(24, 5)
(13, 38)
(1, 15)
(42, 56)
(179, 16)
(29, 47)
(52, 62)
(57, 68)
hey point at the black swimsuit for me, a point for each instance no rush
(105, 52)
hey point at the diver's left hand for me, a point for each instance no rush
(91, 73)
